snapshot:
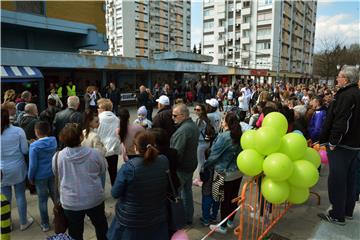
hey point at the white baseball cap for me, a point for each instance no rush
(212, 102)
(164, 100)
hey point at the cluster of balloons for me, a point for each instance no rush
(290, 167)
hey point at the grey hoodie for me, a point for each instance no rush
(80, 169)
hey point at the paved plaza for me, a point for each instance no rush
(300, 222)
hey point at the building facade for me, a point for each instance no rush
(141, 28)
(53, 25)
(263, 34)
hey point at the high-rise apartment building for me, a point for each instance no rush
(141, 28)
(261, 34)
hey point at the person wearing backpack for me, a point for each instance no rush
(207, 133)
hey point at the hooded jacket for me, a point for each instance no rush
(80, 170)
(40, 156)
(106, 131)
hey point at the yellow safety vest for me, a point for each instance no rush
(71, 91)
(5, 218)
(59, 92)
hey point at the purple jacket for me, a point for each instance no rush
(316, 123)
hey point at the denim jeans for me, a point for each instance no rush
(97, 217)
(186, 193)
(210, 208)
(20, 199)
(44, 189)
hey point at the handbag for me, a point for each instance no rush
(218, 186)
(177, 218)
(60, 221)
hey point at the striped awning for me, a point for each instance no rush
(19, 73)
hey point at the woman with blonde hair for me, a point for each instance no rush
(9, 95)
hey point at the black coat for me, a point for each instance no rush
(163, 119)
(342, 123)
(65, 116)
(28, 124)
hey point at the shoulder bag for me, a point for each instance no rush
(177, 218)
(60, 221)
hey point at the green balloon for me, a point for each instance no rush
(298, 195)
(250, 162)
(248, 139)
(267, 140)
(277, 121)
(304, 175)
(278, 166)
(275, 191)
(293, 145)
(312, 156)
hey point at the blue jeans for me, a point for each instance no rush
(44, 189)
(20, 199)
(208, 205)
(186, 193)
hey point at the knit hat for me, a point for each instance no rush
(142, 111)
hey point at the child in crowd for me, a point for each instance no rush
(142, 120)
(40, 169)
(210, 207)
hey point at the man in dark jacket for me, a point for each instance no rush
(185, 141)
(341, 132)
(163, 118)
(113, 94)
(48, 114)
(68, 115)
(28, 120)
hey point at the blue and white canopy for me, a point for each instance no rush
(20, 74)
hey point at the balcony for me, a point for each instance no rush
(245, 53)
(246, 11)
(221, 29)
(264, 51)
(245, 40)
(220, 15)
(265, 22)
(263, 37)
(245, 26)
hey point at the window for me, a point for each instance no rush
(246, 47)
(264, 3)
(208, 12)
(263, 45)
(246, 33)
(208, 38)
(33, 7)
(264, 16)
(246, 19)
(246, 4)
(209, 24)
(245, 62)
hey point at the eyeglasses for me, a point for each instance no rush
(175, 115)
(197, 109)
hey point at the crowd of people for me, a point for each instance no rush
(76, 149)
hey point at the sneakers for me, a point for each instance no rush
(30, 221)
(219, 229)
(45, 227)
(349, 217)
(328, 218)
(204, 222)
(230, 224)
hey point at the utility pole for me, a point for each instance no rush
(280, 46)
